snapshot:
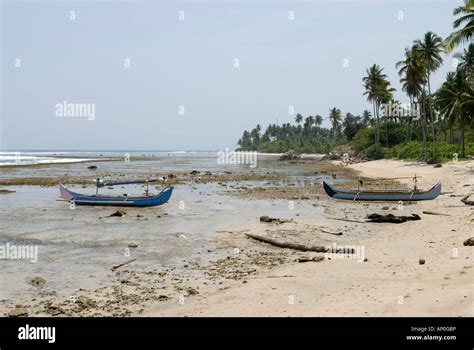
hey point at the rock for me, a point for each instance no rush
(38, 282)
(85, 302)
(192, 291)
(303, 259)
(290, 155)
(18, 311)
(365, 259)
(469, 242)
(421, 261)
(437, 165)
(92, 167)
(54, 310)
(171, 176)
(266, 218)
(385, 208)
(3, 191)
(194, 172)
(208, 173)
(139, 215)
(391, 218)
(118, 213)
(132, 245)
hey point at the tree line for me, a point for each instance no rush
(448, 110)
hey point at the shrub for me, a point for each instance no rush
(374, 152)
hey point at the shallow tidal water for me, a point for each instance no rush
(77, 247)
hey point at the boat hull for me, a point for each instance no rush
(383, 196)
(149, 201)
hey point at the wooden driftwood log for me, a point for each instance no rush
(348, 220)
(302, 247)
(429, 212)
(332, 233)
(122, 264)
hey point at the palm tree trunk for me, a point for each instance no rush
(462, 139)
(423, 130)
(432, 119)
(377, 124)
(412, 100)
(375, 133)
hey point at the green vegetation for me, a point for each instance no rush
(444, 118)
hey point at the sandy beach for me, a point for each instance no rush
(391, 282)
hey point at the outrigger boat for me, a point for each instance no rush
(118, 201)
(390, 195)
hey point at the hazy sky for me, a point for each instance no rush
(191, 63)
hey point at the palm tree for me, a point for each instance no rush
(412, 73)
(298, 119)
(308, 122)
(455, 99)
(462, 34)
(378, 91)
(366, 118)
(335, 116)
(318, 120)
(429, 50)
(466, 62)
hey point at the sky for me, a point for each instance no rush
(192, 75)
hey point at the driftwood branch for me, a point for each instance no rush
(122, 264)
(295, 246)
(429, 212)
(332, 233)
(348, 220)
(465, 200)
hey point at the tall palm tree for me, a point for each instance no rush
(455, 99)
(463, 33)
(412, 73)
(335, 116)
(372, 84)
(429, 50)
(378, 91)
(466, 62)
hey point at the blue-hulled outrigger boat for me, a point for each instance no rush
(362, 195)
(117, 201)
